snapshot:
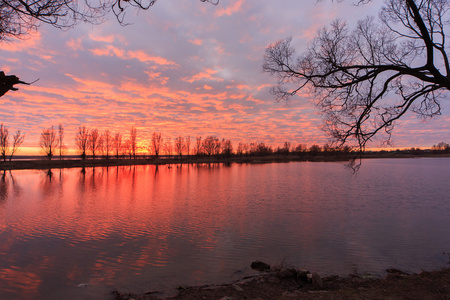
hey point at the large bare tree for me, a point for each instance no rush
(364, 80)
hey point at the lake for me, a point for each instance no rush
(80, 234)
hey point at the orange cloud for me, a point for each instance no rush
(197, 42)
(140, 55)
(230, 10)
(31, 41)
(144, 57)
(75, 44)
(207, 74)
(105, 39)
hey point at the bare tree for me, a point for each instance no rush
(156, 143)
(133, 141)
(208, 145)
(227, 148)
(5, 147)
(217, 147)
(286, 147)
(48, 142)
(101, 148)
(179, 146)
(93, 141)
(241, 149)
(61, 145)
(4, 141)
(187, 145)
(81, 141)
(107, 143)
(18, 139)
(366, 79)
(198, 146)
(117, 144)
(168, 147)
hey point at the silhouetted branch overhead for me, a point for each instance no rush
(366, 79)
(7, 83)
(20, 17)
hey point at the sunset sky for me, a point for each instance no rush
(181, 68)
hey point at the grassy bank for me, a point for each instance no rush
(42, 164)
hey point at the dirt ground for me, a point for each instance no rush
(282, 286)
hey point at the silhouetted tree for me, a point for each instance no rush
(133, 141)
(81, 141)
(18, 139)
(187, 145)
(61, 145)
(198, 146)
(156, 143)
(241, 149)
(179, 146)
(217, 147)
(5, 148)
(93, 141)
(366, 79)
(208, 145)
(48, 142)
(443, 147)
(168, 148)
(300, 148)
(286, 147)
(227, 148)
(107, 143)
(315, 149)
(4, 141)
(117, 144)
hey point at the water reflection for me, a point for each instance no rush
(154, 227)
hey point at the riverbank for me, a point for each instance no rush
(283, 284)
(45, 164)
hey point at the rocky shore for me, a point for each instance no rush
(285, 283)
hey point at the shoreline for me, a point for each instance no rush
(290, 283)
(45, 164)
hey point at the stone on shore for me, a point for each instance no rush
(260, 266)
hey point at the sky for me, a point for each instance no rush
(183, 67)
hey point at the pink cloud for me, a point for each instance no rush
(230, 10)
(31, 41)
(197, 42)
(144, 57)
(206, 74)
(140, 55)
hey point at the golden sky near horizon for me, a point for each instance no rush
(186, 68)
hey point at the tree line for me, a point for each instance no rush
(92, 143)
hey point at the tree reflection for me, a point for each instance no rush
(8, 184)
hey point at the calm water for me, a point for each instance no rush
(141, 228)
